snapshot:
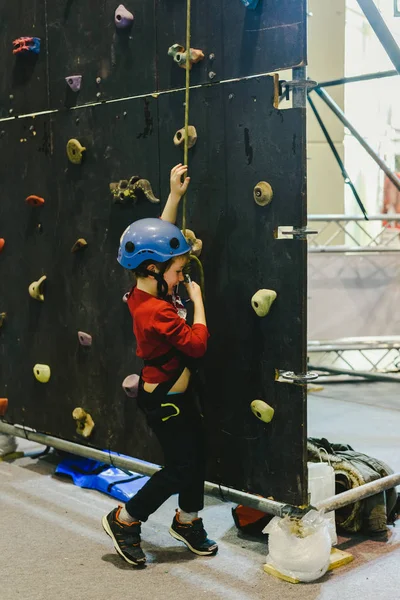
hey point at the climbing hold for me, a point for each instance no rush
(131, 385)
(263, 193)
(84, 338)
(3, 317)
(179, 55)
(84, 422)
(74, 82)
(125, 297)
(35, 289)
(262, 410)
(2, 243)
(3, 406)
(42, 373)
(179, 137)
(195, 243)
(250, 3)
(75, 151)
(98, 80)
(25, 45)
(34, 200)
(79, 245)
(262, 301)
(123, 18)
(126, 190)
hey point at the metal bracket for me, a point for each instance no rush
(286, 86)
(294, 233)
(303, 378)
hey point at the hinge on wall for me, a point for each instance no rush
(293, 233)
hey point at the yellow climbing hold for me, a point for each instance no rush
(75, 151)
(42, 373)
(262, 410)
(80, 244)
(179, 137)
(35, 289)
(263, 193)
(262, 301)
(84, 422)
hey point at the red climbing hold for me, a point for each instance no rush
(3, 406)
(2, 242)
(35, 200)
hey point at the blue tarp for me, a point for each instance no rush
(95, 475)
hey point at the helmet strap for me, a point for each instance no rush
(162, 286)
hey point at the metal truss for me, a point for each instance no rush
(345, 233)
(361, 356)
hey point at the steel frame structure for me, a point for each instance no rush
(391, 47)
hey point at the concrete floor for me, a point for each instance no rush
(53, 547)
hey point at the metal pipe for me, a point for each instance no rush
(323, 347)
(357, 78)
(382, 31)
(353, 249)
(383, 217)
(346, 176)
(341, 116)
(358, 493)
(299, 92)
(339, 371)
(365, 339)
(263, 504)
(145, 468)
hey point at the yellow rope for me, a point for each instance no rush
(187, 100)
(186, 141)
(194, 258)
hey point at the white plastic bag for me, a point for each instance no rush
(299, 548)
(8, 444)
(321, 485)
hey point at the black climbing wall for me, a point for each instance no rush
(242, 139)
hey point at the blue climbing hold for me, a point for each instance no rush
(250, 3)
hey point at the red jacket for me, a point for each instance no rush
(158, 328)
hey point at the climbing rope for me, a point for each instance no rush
(187, 104)
(186, 140)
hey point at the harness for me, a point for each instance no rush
(163, 359)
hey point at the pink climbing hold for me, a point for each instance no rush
(131, 385)
(123, 17)
(74, 82)
(84, 338)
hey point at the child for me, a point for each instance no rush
(156, 251)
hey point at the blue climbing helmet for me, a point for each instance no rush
(150, 239)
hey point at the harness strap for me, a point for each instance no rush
(158, 361)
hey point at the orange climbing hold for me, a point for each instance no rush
(3, 406)
(35, 200)
(2, 242)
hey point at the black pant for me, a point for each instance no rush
(178, 426)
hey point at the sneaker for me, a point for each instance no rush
(194, 536)
(126, 537)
